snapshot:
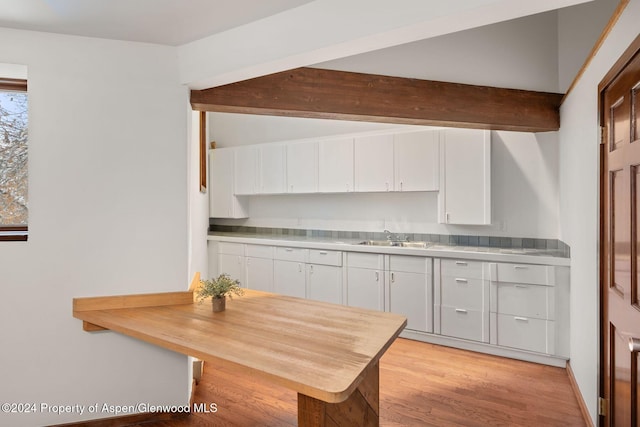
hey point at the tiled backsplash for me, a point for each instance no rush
(457, 240)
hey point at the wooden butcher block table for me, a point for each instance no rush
(327, 353)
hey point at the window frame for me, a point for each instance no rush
(13, 233)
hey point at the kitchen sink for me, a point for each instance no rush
(417, 245)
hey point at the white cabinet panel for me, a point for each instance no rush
(465, 177)
(222, 200)
(373, 163)
(234, 266)
(291, 254)
(318, 256)
(525, 300)
(302, 167)
(335, 165)
(463, 292)
(464, 323)
(246, 164)
(271, 167)
(260, 274)
(526, 333)
(462, 268)
(365, 288)
(525, 273)
(409, 295)
(324, 283)
(289, 278)
(416, 161)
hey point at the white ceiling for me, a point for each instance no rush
(167, 22)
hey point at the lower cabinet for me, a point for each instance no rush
(231, 261)
(289, 278)
(324, 283)
(462, 299)
(365, 281)
(485, 306)
(410, 290)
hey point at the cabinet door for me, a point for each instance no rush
(335, 165)
(245, 170)
(260, 274)
(365, 288)
(222, 201)
(302, 167)
(465, 184)
(324, 283)
(408, 297)
(374, 163)
(416, 157)
(234, 266)
(271, 160)
(289, 278)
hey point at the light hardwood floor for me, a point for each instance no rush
(420, 385)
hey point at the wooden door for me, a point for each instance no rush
(620, 175)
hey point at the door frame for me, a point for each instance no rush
(611, 75)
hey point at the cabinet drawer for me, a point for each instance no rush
(461, 323)
(409, 264)
(525, 300)
(360, 260)
(461, 268)
(463, 293)
(230, 248)
(259, 251)
(292, 254)
(524, 273)
(525, 333)
(325, 257)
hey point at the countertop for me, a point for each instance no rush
(438, 250)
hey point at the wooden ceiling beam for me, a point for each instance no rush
(328, 94)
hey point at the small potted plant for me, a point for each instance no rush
(218, 288)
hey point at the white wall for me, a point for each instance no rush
(578, 30)
(579, 137)
(521, 54)
(524, 185)
(107, 215)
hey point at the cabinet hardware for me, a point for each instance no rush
(288, 250)
(521, 286)
(460, 310)
(521, 319)
(400, 185)
(520, 267)
(461, 263)
(322, 252)
(299, 268)
(377, 276)
(393, 279)
(311, 269)
(461, 280)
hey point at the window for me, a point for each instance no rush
(13, 159)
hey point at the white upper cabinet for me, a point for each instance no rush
(335, 165)
(222, 200)
(374, 163)
(465, 177)
(245, 171)
(271, 169)
(416, 161)
(302, 167)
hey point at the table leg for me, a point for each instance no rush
(362, 408)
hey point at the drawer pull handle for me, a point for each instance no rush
(393, 278)
(288, 250)
(460, 310)
(322, 252)
(521, 286)
(520, 267)
(461, 280)
(377, 276)
(521, 319)
(461, 263)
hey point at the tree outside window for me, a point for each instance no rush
(13, 155)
